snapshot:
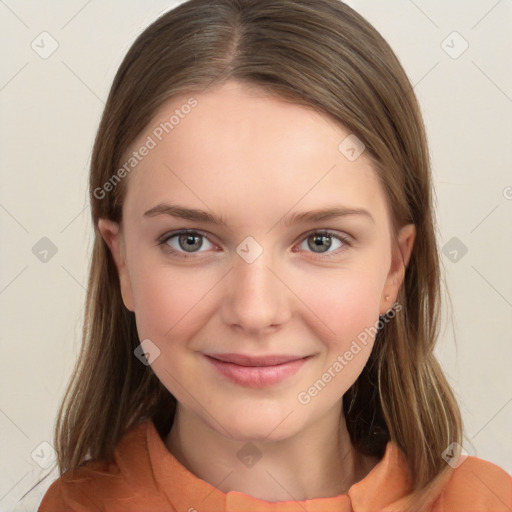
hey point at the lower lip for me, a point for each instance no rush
(257, 376)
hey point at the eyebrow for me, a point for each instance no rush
(318, 215)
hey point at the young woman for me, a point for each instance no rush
(264, 292)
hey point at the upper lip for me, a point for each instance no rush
(243, 360)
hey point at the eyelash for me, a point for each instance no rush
(325, 232)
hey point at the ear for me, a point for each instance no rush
(400, 260)
(113, 238)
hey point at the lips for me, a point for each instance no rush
(256, 371)
(243, 360)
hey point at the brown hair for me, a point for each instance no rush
(320, 54)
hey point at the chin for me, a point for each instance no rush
(256, 427)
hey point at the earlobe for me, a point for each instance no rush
(112, 236)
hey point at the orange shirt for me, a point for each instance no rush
(146, 477)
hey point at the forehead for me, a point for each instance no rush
(248, 155)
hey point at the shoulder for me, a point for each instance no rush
(97, 483)
(477, 485)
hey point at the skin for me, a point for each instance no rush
(253, 159)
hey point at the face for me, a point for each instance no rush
(222, 300)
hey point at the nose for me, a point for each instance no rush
(256, 298)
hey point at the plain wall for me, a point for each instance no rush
(50, 109)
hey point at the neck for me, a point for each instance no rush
(317, 462)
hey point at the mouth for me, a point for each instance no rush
(256, 371)
(243, 360)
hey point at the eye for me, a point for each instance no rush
(185, 243)
(182, 242)
(321, 241)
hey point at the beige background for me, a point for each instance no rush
(50, 109)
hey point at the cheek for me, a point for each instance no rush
(342, 312)
(168, 301)
(342, 302)
(170, 309)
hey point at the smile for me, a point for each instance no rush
(256, 372)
